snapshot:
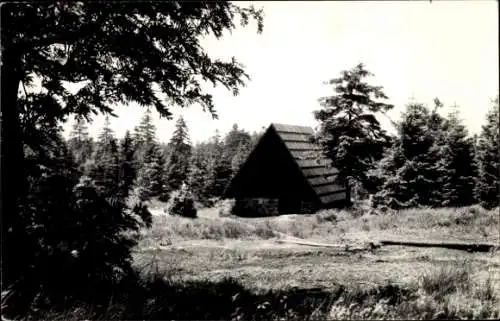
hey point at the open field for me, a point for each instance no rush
(228, 268)
(255, 252)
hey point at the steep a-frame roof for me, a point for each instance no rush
(316, 168)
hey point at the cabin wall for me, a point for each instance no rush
(309, 207)
(262, 207)
(256, 207)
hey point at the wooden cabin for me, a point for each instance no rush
(286, 173)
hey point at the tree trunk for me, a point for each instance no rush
(13, 185)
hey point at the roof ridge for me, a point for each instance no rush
(298, 129)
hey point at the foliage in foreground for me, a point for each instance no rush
(447, 292)
(81, 43)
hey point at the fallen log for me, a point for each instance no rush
(315, 244)
(307, 243)
(470, 247)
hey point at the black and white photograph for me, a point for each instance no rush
(250, 160)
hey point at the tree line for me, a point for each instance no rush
(432, 160)
(139, 166)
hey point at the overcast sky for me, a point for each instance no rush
(447, 49)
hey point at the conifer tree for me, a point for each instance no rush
(457, 162)
(234, 139)
(394, 187)
(487, 189)
(218, 166)
(146, 131)
(105, 167)
(80, 144)
(349, 130)
(205, 176)
(410, 172)
(240, 157)
(222, 174)
(150, 176)
(144, 135)
(127, 164)
(198, 178)
(177, 165)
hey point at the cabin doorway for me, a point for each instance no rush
(289, 205)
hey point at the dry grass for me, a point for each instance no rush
(425, 282)
(339, 226)
(186, 261)
(443, 293)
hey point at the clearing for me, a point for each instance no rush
(256, 251)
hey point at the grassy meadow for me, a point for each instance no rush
(220, 267)
(261, 254)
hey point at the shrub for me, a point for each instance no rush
(182, 203)
(226, 207)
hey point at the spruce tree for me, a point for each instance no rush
(222, 174)
(349, 130)
(105, 168)
(149, 182)
(393, 173)
(234, 139)
(487, 189)
(218, 167)
(144, 136)
(458, 163)
(127, 164)
(240, 157)
(411, 172)
(145, 132)
(80, 143)
(177, 165)
(199, 174)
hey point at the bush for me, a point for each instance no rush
(182, 203)
(226, 207)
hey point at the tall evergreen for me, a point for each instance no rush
(145, 132)
(177, 165)
(105, 167)
(199, 174)
(349, 131)
(411, 172)
(240, 157)
(127, 164)
(204, 169)
(234, 139)
(149, 181)
(80, 143)
(487, 189)
(457, 162)
(219, 166)
(144, 136)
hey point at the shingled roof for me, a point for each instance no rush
(315, 167)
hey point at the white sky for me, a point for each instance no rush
(447, 49)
